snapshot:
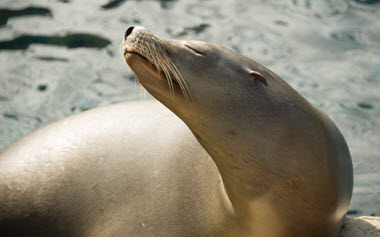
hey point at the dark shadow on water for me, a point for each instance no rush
(10, 116)
(344, 36)
(166, 3)
(5, 14)
(116, 3)
(69, 41)
(50, 59)
(113, 4)
(281, 23)
(42, 87)
(82, 108)
(365, 105)
(352, 212)
(367, 1)
(192, 29)
(24, 119)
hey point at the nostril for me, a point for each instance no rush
(128, 32)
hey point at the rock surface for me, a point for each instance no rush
(364, 226)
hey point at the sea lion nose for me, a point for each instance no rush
(128, 32)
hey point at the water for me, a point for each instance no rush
(60, 57)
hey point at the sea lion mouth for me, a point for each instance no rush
(151, 66)
(150, 52)
(127, 52)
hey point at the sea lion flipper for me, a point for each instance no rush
(259, 76)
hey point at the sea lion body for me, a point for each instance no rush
(254, 158)
(139, 173)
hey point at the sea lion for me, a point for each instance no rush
(285, 166)
(251, 157)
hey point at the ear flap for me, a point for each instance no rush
(258, 76)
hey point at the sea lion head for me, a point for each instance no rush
(214, 90)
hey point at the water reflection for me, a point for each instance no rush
(69, 41)
(367, 1)
(5, 14)
(190, 30)
(116, 3)
(50, 58)
(113, 4)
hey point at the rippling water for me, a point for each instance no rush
(59, 57)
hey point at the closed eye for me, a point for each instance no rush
(197, 52)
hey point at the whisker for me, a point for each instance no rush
(142, 93)
(169, 78)
(154, 49)
(180, 81)
(159, 42)
(136, 83)
(155, 60)
(184, 82)
(172, 72)
(121, 48)
(161, 67)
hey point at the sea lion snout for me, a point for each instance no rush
(137, 38)
(134, 31)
